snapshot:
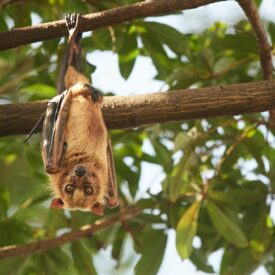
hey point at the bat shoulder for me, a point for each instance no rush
(73, 77)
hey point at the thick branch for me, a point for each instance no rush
(135, 111)
(46, 31)
(83, 232)
(252, 14)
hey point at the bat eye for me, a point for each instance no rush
(88, 190)
(69, 188)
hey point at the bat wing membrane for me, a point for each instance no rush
(53, 132)
(112, 200)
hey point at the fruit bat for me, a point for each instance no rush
(76, 150)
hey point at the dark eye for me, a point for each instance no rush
(88, 190)
(69, 188)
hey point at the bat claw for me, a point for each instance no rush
(50, 169)
(112, 203)
(72, 20)
(72, 23)
(98, 209)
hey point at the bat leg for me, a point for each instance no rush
(112, 197)
(57, 147)
(72, 22)
(95, 94)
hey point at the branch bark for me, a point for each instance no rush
(265, 48)
(51, 30)
(83, 232)
(135, 111)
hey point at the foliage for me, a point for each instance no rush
(218, 173)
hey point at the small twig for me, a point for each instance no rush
(83, 232)
(231, 148)
(265, 48)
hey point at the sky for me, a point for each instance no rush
(108, 78)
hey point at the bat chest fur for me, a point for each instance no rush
(86, 131)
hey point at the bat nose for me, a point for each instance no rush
(80, 171)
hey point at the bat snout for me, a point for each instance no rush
(80, 171)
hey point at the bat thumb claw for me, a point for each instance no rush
(50, 169)
(112, 203)
(57, 204)
(98, 209)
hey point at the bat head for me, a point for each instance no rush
(83, 187)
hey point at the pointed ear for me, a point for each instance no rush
(98, 209)
(57, 203)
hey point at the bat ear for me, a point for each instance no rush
(98, 209)
(112, 203)
(57, 203)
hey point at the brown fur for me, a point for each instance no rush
(86, 136)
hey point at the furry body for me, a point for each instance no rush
(87, 142)
(76, 151)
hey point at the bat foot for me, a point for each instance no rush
(50, 169)
(112, 203)
(72, 20)
(98, 209)
(95, 94)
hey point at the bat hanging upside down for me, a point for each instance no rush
(75, 147)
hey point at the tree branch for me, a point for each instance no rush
(265, 48)
(51, 30)
(4, 3)
(135, 111)
(83, 232)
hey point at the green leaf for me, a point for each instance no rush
(3, 25)
(127, 54)
(117, 244)
(222, 64)
(199, 259)
(239, 262)
(13, 231)
(4, 202)
(258, 3)
(82, 259)
(247, 195)
(54, 261)
(177, 182)
(261, 235)
(181, 141)
(186, 230)
(42, 91)
(223, 197)
(153, 247)
(174, 39)
(226, 226)
(154, 49)
(163, 154)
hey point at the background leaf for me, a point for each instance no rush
(186, 230)
(226, 226)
